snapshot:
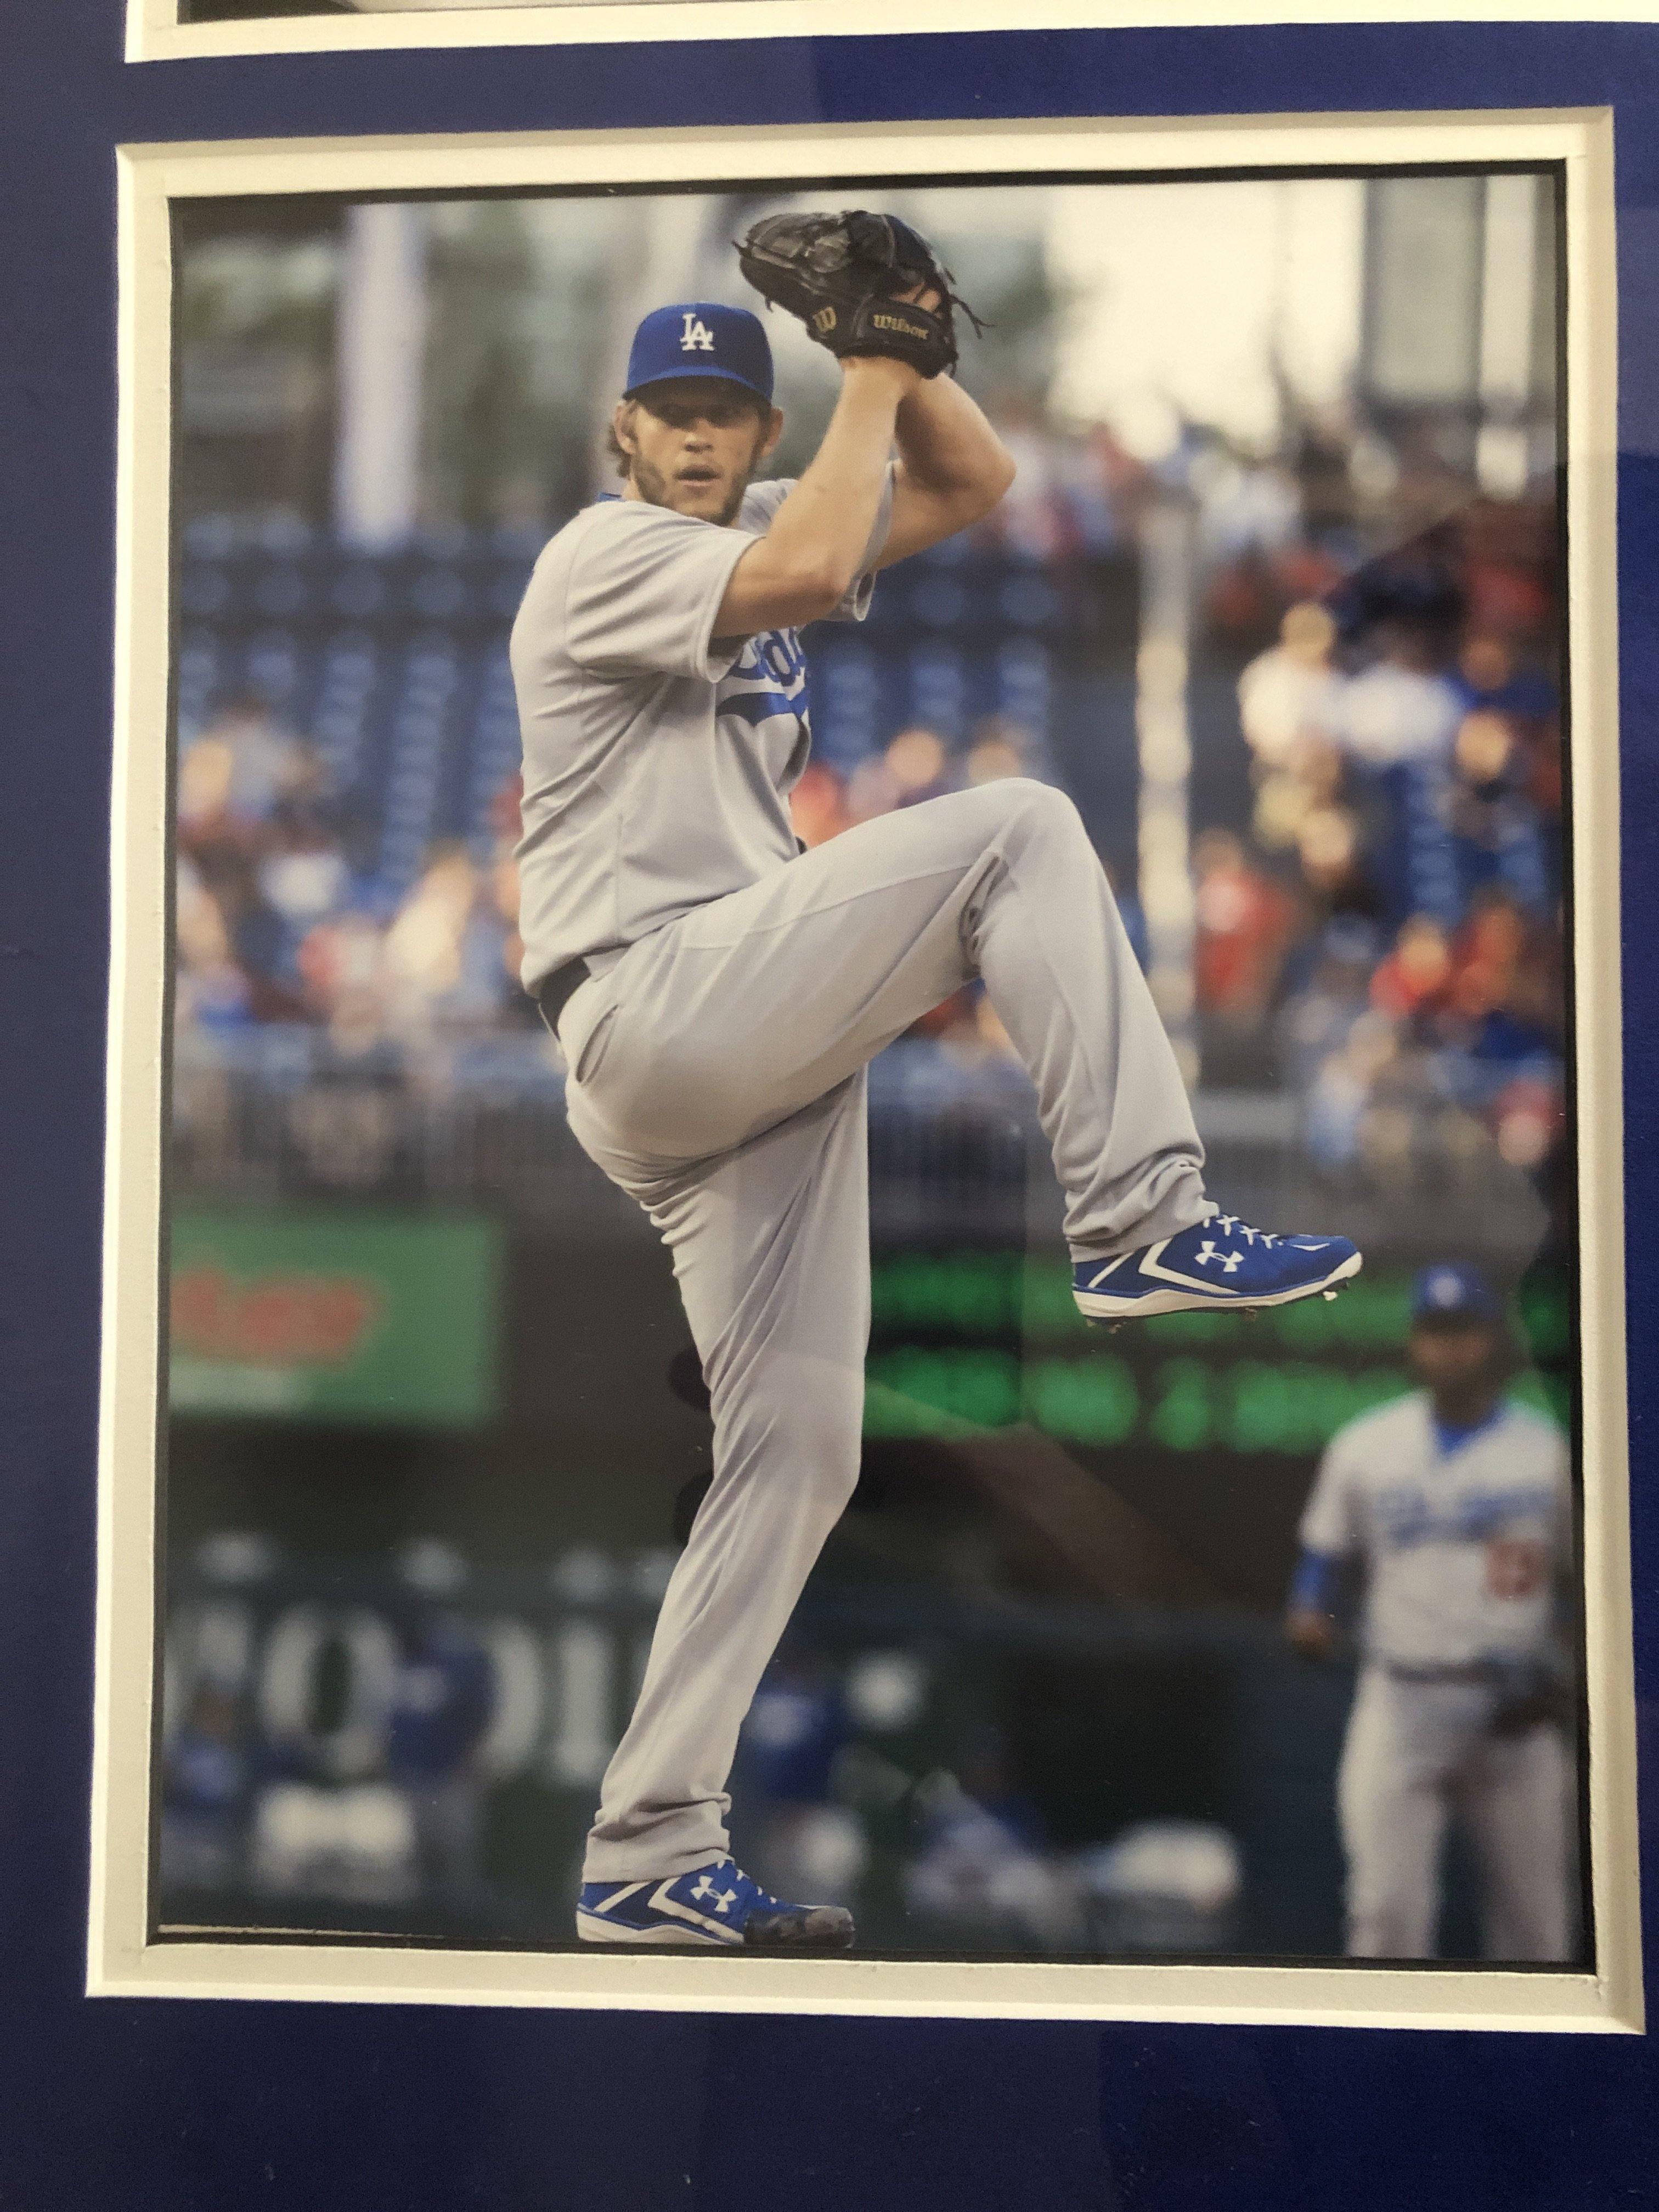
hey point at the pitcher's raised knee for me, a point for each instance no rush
(1038, 809)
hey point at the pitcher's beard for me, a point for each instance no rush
(653, 487)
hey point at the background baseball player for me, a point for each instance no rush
(717, 993)
(1454, 1503)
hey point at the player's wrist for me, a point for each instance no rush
(880, 372)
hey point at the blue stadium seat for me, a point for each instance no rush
(395, 664)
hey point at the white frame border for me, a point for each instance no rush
(121, 1960)
(155, 33)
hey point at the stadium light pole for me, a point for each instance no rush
(379, 363)
(1508, 334)
(1165, 750)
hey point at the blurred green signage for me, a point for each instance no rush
(336, 1317)
(1017, 1349)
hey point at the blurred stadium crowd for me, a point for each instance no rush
(1377, 907)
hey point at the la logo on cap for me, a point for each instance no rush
(696, 336)
(1444, 1289)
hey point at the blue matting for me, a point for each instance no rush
(114, 2104)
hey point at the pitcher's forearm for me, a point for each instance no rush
(947, 445)
(826, 521)
(817, 538)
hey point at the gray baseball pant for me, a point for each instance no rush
(717, 1076)
(1419, 1755)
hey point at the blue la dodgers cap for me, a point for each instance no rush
(701, 338)
(1451, 1291)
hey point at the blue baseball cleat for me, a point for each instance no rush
(715, 1904)
(1223, 1262)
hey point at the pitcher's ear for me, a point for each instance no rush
(622, 419)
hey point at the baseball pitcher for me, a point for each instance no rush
(717, 991)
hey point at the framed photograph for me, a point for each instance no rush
(815, 1334)
(1242, 588)
(175, 30)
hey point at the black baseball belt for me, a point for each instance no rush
(554, 992)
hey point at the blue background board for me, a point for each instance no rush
(121, 2104)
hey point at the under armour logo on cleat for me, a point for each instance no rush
(724, 1898)
(1231, 1261)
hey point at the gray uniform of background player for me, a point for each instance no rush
(716, 1062)
(1461, 1549)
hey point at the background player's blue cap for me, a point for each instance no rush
(1453, 1292)
(700, 337)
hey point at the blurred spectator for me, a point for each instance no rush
(1414, 977)
(795, 1731)
(975, 1041)
(204, 1792)
(506, 812)
(1164, 1885)
(818, 805)
(1132, 914)
(796, 1726)
(1244, 925)
(442, 1698)
(1493, 810)
(1490, 677)
(1341, 1092)
(342, 966)
(1403, 708)
(1484, 960)
(1284, 702)
(1329, 847)
(258, 940)
(212, 992)
(1527, 1118)
(519, 1007)
(235, 774)
(915, 766)
(443, 951)
(1318, 1021)
(1243, 508)
(1000, 748)
(1061, 503)
(205, 769)
(423, 945)
(982, 1876)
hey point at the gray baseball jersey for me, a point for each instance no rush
(658, 759)
(1459, 1544)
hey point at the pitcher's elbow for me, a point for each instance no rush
(999, 479)
(818, 588)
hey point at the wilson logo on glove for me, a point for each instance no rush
(843, 276)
